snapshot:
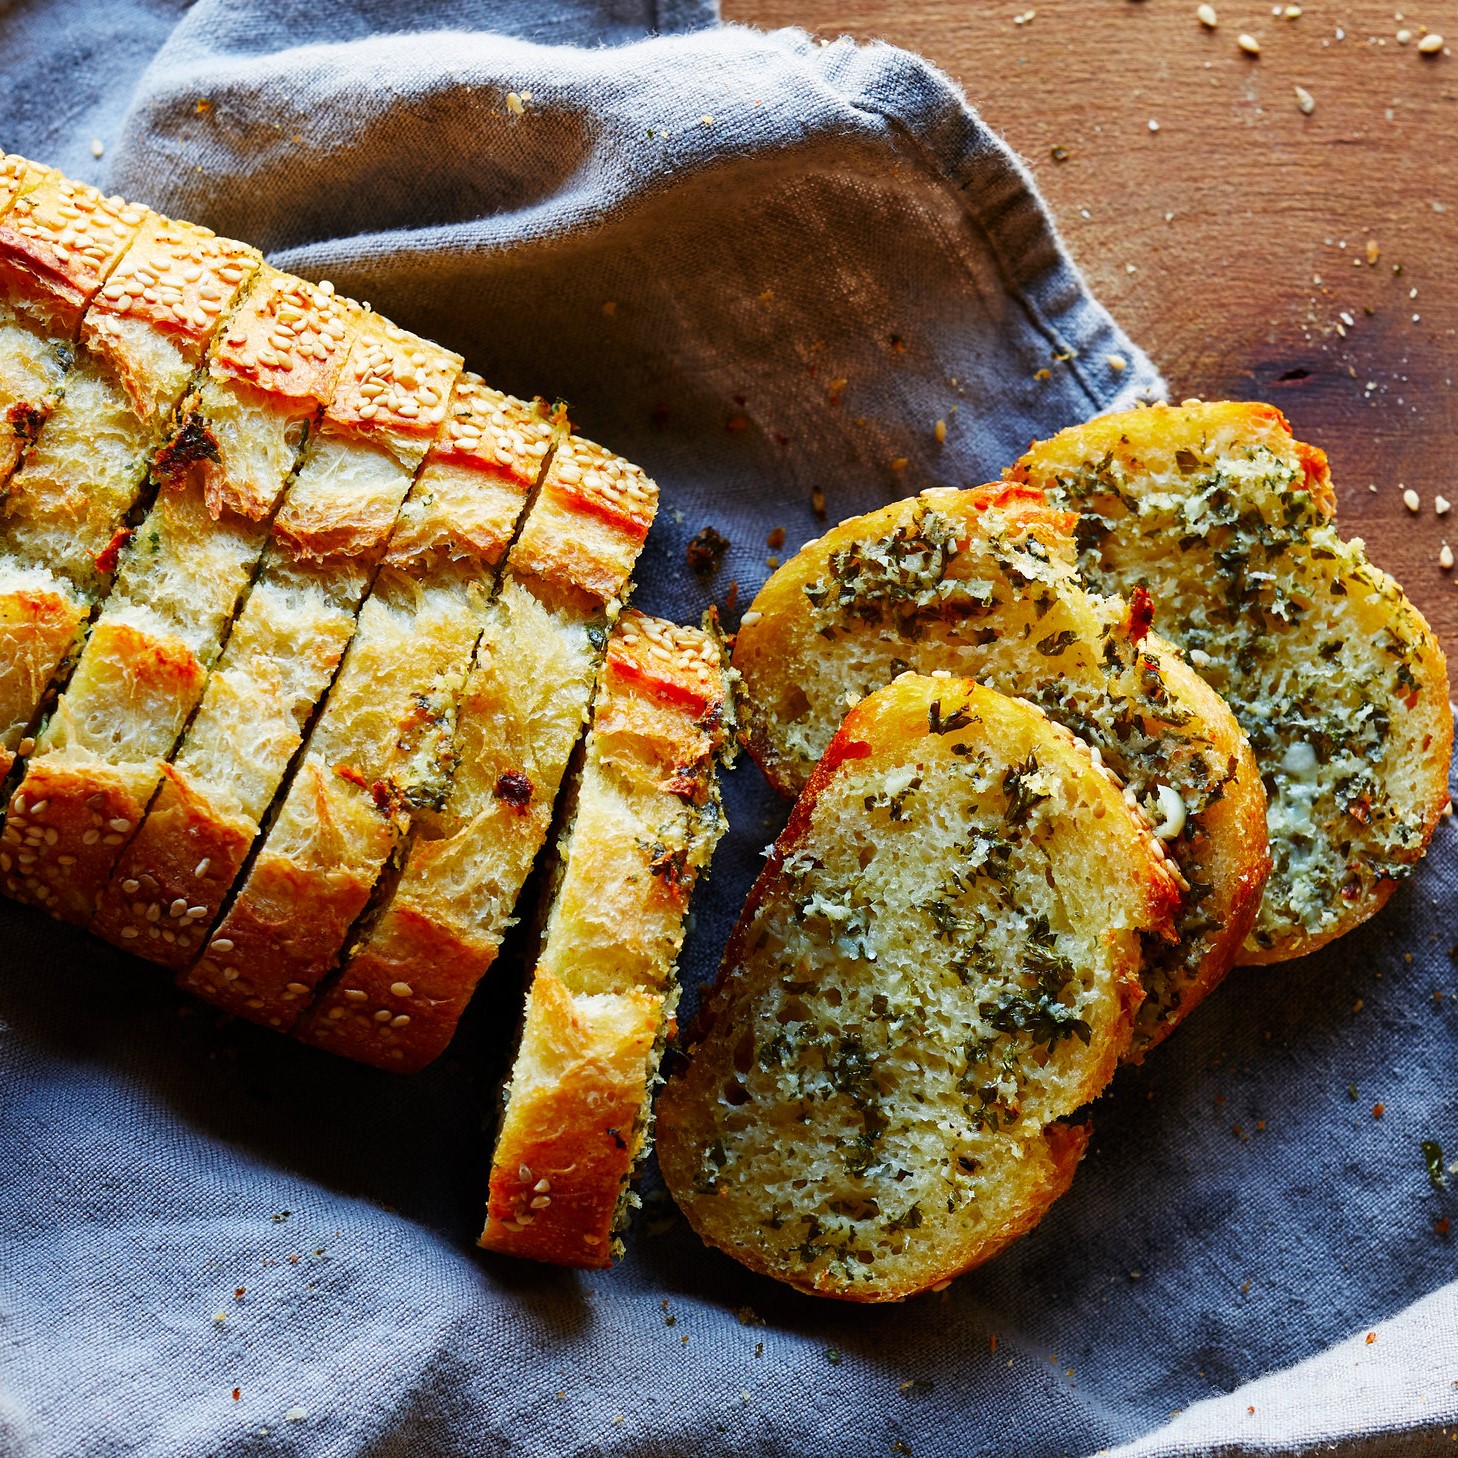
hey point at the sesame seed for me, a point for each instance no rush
(399, 1020)
(1445, 557)
(1248, 43)
(201, 869)
(120, 824)
(1153, 125)
(383, 1015)
(1116, 362)
(297, 989)
(1412, 500)
(130, 933)
(221, 944)
(131, 886)
(401, 989)
(1305, 101)
(1404, 36)
(1442, 505)
(1205, 14)
(1430, 45)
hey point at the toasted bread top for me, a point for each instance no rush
(482, 466)
(287, 337)
(587, 528)
(939, 961)
(393, 389)
(58, 242)
(178, 278)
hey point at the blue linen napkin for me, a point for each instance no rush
(763, 268)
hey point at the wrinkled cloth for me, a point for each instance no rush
(764, 269)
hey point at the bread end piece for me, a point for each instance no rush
(575, 1123)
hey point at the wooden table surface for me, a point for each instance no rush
(1256, 250)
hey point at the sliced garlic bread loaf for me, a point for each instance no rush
(437, 924)
(143, 334)
(178, 585)
(643, 820)
(982, 583)
(939, 962)
(282, 656)
(1226, 521)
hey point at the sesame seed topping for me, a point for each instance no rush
(1205, 14)
(1445, 557)
(221, 945)
(1431, 44)
(1412, 500)
(401, 989)
(1248, 43)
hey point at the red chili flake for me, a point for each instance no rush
(1371, 1337)
(776, 539)
(106, 558)
(353, 775)
(516, 789)
(1141, 613)
(240, 1293)
(736, 423)
(1378, 1110)
(817, 503)
(237, 1393)
(1441, 1227)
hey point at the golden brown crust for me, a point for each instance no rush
(393, 388)
(172, 877)
(288, 337)
(176, 278)
(58, 243)
(291, 916)
(588, 525)
(67, 823)
(288, 927)
(475, 481)
(572, 1130)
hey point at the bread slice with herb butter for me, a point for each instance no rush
(982, 583)
(1227, 522)
(938, 965)
(642, 821)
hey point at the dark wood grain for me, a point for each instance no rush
(1231, 241)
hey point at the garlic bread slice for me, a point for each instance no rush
(982, 584)
(643, 821)
(1227, 522)
(938, 964)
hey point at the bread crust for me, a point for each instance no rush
(1339, 681)
(573, 1130)
(983, 583)
(905, 723)
(40, 627)
(59, 241)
